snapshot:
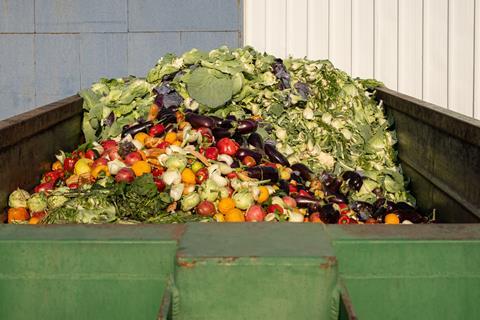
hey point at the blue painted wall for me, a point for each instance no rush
(50, 49)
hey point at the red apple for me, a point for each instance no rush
(125, 175)
(107, 144)
(255, 213)
(206, 208)
(99, 162)
(132, 157)
(289, 201)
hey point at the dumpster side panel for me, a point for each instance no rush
(440, 151)
(397, 276)
(29, 142)
(256, 271)
(85, 272)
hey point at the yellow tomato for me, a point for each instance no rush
(83, 166)
(264, 194)
(141, 136)
(392, 218)
(171, 137)
(188, 176)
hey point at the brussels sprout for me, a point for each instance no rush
(18, 199)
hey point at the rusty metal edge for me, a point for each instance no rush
(450, 122)
(27, 124)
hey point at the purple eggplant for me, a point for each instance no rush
(220, 133)
(246, 126)
(303, 170)
(243, 152)
(141, 127)
(284, 186)
(354, 179)
(224, 123)
(275, 156)
(335, 197)
(328, 214)
(198, 120)
(256, 140)
(305, 202)
(263, 173)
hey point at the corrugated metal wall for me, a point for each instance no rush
(50, 49)
(429, 49)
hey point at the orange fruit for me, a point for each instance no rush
(188, 176)
(225, 205)
(392, 218)
(57, 165)
(171, 137)
(235, 215)
(17, 214)
(141, 136)
(263, 195)
(141, 167)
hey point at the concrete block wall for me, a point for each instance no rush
(50, 49)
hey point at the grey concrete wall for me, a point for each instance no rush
(50, 49)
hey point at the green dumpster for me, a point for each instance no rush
(251, 271)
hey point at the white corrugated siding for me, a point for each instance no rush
(429, 49)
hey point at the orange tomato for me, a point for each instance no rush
(235, 215)
(17, 214)
(171, 137)
(141, 136)
(225, 205)
(392, 218)
(188, 176)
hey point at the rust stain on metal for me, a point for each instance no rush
(178, 231)
(227, 260)
(186, 264)
(331, 261)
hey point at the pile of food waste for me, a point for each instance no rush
(229, 135)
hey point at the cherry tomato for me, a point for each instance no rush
(69, 164)
(156, 130)
(163, 145)
(201, 176)
(249, 161)
(227, 146)
(211, 153)
(91, 154)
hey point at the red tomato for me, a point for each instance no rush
(292, 188)
(206, 132)
(73, 185)
(275, 208)
(69, 164)
(156, 172)
(156, 130)
(163, 145)
(211, 153)
(201, 176)
(232, 175)
(343, 208)
(44, 187)
(227, 146)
